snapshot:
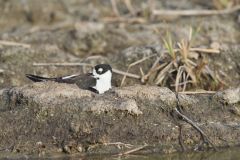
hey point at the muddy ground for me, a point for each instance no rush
(46, 118)
(90, 32)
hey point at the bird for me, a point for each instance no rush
(98, 81)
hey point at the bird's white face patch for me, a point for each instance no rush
(95, 75)
(100, 70)
(103, 81)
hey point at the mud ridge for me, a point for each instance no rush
(49, 117)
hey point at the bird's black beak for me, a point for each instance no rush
(90, 74)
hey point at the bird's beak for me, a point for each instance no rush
(90, 74)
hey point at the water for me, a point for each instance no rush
(226, 154)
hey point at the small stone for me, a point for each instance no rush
(235, 111)
(59, 150)
(1, 70)
(230, 96)
(39, 143)
(80, 148)
(67, 149)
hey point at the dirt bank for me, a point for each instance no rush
(49, 117)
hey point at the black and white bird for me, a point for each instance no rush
(99, 81)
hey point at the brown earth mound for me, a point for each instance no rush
(51, 117)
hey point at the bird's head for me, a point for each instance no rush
(103, 75)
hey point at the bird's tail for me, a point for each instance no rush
(35, 78)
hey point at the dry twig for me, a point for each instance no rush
(194, 125)
(10, 43)
(163, 72)
(114, 7)
(153, 68)
(178, 77)
(185, 81)
(129, 6)
(124, 20)
(119, 143)
(203, 50)
(133, 150)
(175, 13)
(135, 63)
(62, 64)
(198, 92)
(126, 74)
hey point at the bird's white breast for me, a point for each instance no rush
(103, 82)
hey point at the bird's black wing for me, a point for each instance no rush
(85, 81)
(35, 78)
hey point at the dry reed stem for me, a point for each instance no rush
(194, 12)
(163, 72)
(114, 7)
(198, 92)
(95, 57)
(182, 83)
(145, 77)
(191, 74)
(131, 75)
(179, 74)
(132, 20)
(142, 74)
(119, 143)
(157, 68)
(10, 43)
(133, 64)
(203, 50)
(133, 150)
(129, 6)
(184, 50)
(186, 81)
(62, 64)
(191, 62)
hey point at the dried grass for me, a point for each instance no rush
(184, 69)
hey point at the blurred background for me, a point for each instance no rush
(184, 45)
